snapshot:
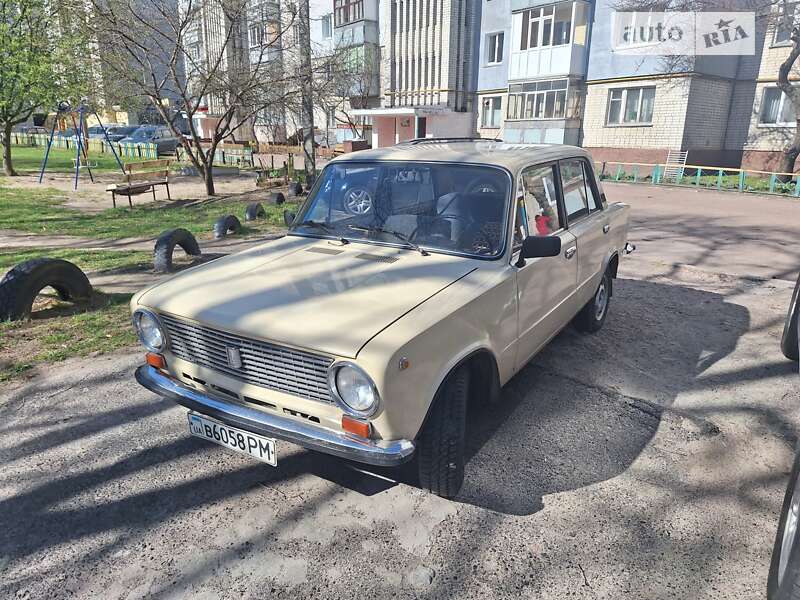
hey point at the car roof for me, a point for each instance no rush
(485, 152)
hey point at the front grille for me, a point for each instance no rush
(271, 366)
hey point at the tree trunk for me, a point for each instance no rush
(307, 101)
(8, 168)
(788, 158)
(208, 178)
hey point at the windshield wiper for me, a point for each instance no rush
(400, 236)
(324, 227)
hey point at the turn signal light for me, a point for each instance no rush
(356, 426)
(155, 360)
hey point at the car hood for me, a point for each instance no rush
(308, 293)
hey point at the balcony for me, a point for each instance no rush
(549, 41)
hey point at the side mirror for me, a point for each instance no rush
(288, 218)
(536, 246)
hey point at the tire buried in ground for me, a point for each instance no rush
(254, 211)
(277, 198)
(165, 247)
(225, 225)
(21, 285)
(295, 189)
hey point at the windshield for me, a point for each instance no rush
(447, 207)
(143, 133)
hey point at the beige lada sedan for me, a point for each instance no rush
(413, 280)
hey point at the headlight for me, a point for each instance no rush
(354, 389)
(149, 330)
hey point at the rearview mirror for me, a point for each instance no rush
(288, 218)
(538, 246)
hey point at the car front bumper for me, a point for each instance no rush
(372, 452)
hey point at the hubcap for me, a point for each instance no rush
(600, 301)
(789, 531)
(358, 201)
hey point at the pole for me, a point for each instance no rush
(307, 110)
(49, 144)
(108, 141)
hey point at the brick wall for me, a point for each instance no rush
(667, 127)
(707, 113)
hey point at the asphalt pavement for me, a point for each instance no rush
(645, 461)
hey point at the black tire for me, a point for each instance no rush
(22, 284)
(440, 446)
(295, 189)
(789, 345)
(593, 314)
(277, 198)
(254, 210)
(786, 585)
(165, 247)
(225, 225)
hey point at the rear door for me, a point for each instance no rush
(545, 286)
(587, 221)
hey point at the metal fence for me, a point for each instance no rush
(93, 145)
(720, 178)
(239, 156)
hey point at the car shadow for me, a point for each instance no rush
(586, 407)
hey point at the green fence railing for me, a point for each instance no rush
(720, 178)
(94, 145)
(240, 156)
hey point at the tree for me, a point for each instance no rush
(196, 58)
(37, 68)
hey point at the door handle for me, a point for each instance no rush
(606, 227)
(570, 252)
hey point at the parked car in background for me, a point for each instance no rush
(96, 131)
(120, 132)
(159, 135)
(364, 334)
(33, 129)
(784, 570)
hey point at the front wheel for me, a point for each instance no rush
(784, 569)
(593, 314)
(440, 447)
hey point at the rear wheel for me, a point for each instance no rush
(593, 315)
(789, 345)
(440, 447)
(784, 570)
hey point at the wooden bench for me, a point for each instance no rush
(141, 177)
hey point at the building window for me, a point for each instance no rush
(255, 35)
(546, 26)
(494, 48)
(776, 108)
(631, 106)
(490, 112)
(786, 19)
(327, 26)
(538, 100)
(347, 11)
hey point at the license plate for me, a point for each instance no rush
(244, 442)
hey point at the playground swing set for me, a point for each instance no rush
(81, 154)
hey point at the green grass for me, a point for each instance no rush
(61, 330)
(87, 260)
(29, 158)
(42, 212)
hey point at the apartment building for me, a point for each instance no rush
(533, 60)
(428, 74)
(638, 107)
(771, 123)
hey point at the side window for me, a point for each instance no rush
(540, 199)
(594, 200)
(574, 186)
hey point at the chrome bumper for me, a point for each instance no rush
(372, 452)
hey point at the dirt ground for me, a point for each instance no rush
(645, 461)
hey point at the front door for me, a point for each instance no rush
(545, 286)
